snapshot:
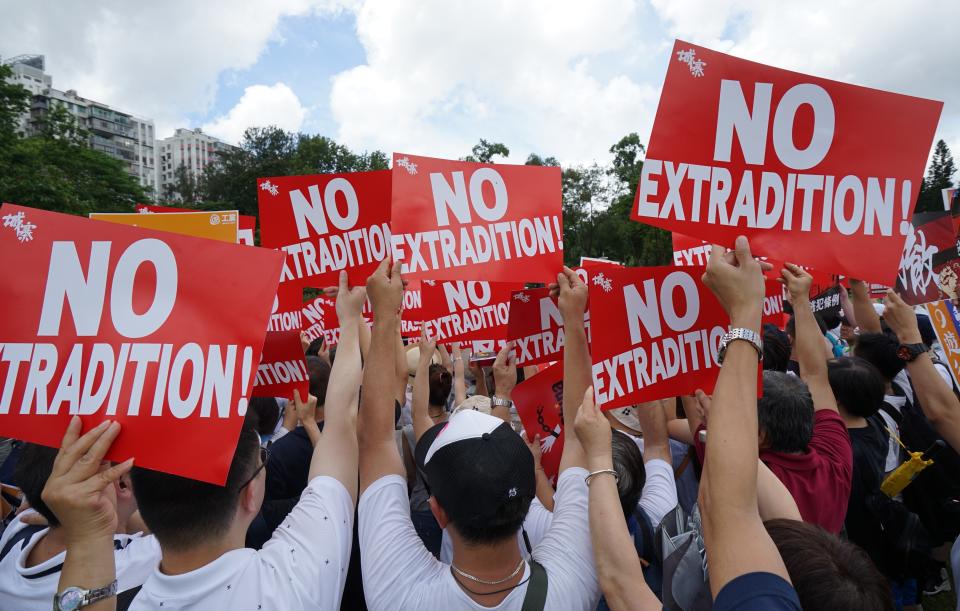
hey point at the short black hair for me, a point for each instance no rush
(184, 512)
(502, 525)
(263, 413)
(631, 474)
(319, 372)
(31, 474)
(441, 382)
(881, 350)
(828, 573)
(857, 385)
(831, 320)
(776, 348)
(785, 412)
(314, 348)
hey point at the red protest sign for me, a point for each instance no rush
(656, 334)
(690, 251)
(412, 318)
(286, 313)
(537, 327)
(246, 225)
(282, 367)
(466, 310)
(539, 403)
(159, 331)
(326, 223)
(803, 166)
(320, 319)
(456, 220)
(929, 265)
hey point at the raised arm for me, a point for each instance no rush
(863, 311)
(937, 400)
(459, 381)
(810, 351)
(336, 453)
(421, 388)
(544, 489)
(402, 373)
(378, 449)
(618, 566)
(735, 539)
(653, 423)
(576, 361)
(505, 379)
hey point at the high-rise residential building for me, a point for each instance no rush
(119, 134)
(190, 148)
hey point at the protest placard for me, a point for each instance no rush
(220, 226)
(536, 326)
(326, 223)
(411, 319)
(158, 331)
(282, 368)
(539, 403)
(690, 251)
(457, 220)
(320, 318)
(803, 166)
(466, 310)
(827, 302)
(287, 311)
(946, 324)
(929, 265)
(246, 226)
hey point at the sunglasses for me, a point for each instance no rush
(264, 457)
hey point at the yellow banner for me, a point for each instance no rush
(221, 226)
(943, 317)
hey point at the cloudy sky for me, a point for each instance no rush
(555, 77)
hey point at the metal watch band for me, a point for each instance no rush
(106, 591)
(499, 401)
(748, 335)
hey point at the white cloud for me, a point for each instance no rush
(260, 106)
(156, 59)
(541, 76)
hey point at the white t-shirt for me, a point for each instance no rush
(303, 566)
(399, 572)
(23, 588)
(535, 525)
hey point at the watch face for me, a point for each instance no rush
(70, 599)
(904, 353)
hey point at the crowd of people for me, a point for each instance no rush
(404, 480)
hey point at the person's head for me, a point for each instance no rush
(314, 348)
(881, 350)
(263, 413)
(441, 382)
(31, 474)
(830, 320)
(631, 475)
(184, 513)
(828, 573)
(785, 413)
(857, 385)
(318, 370)
(480, 475)
(776, 348)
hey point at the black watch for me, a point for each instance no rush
(909, 352)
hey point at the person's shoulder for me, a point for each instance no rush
(760, 591)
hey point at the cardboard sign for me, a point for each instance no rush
(246, 228)
(220, 226)
(158, 331)
(456, 220)
(287, 313)
(803, 166)
(282, 367)
(539, 403)
(326, 223)
(656, 334)
(943, 316)
(320, 319)
(929, 266)
(537, 326)
(466, 310)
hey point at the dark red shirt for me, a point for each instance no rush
(818, 479)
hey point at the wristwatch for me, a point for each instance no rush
(747, 335)
(500, 402)
(74, 598)
(910, 352)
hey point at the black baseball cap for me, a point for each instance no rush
(473, 463)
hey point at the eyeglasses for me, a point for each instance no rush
(264, 457)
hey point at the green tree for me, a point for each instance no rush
(185, 188)
(14, 101)
(484, 152)
(939, 176)
(535, 159)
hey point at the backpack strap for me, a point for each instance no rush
(125, 598)
(536, 596)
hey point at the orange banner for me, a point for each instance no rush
(221, 226)
(944, 318)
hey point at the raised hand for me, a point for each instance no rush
(901, 318)
(385, 289)
(573, 295)
(505, 371)
(736, 278)
(349, 301)
(797, 282)
(593, 431)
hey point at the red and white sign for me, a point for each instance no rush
(930, 264)
(246, 225)
(537, 326)
(803, 166)
(326, 223)
(411, 319)
(466, 310)
(584, 261)
(456, 220)
(158, 331)
(690, 251)
(282, 367)
(539, 403)
(286, 313)
(320, 319)
(656, 334)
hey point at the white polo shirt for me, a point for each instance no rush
(23, 588)
(302, 566)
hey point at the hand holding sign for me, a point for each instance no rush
(797, 282)
(736, 278)
(901, 318)
(573, 296)
(350, 302)
(385, 288)
(593, 431)
(505, 371)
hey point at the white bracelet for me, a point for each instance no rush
(602, 472)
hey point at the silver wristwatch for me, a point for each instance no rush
(500, 402)
(74, 598)
(747, 335)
